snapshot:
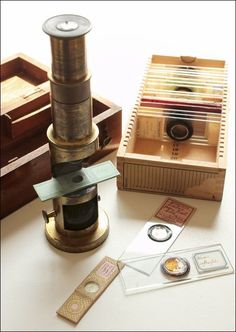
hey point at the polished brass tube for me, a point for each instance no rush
(65, 151)
(70, 93)
(72, 121)
(69, 63)
(71, 136)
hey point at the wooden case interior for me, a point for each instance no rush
(25, 97)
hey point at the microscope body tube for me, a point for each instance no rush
(71, 101)
(72, 131)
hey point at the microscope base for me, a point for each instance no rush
(83, 242)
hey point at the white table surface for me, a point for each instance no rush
(37, 278)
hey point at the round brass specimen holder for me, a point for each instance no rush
(83, 240)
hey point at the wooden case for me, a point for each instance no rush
(148, 159)
(25, 117)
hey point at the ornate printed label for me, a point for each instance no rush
(106, 270)
(175, 212)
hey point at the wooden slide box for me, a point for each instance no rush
(25, 117)
(149, 160)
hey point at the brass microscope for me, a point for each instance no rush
(76, 224)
